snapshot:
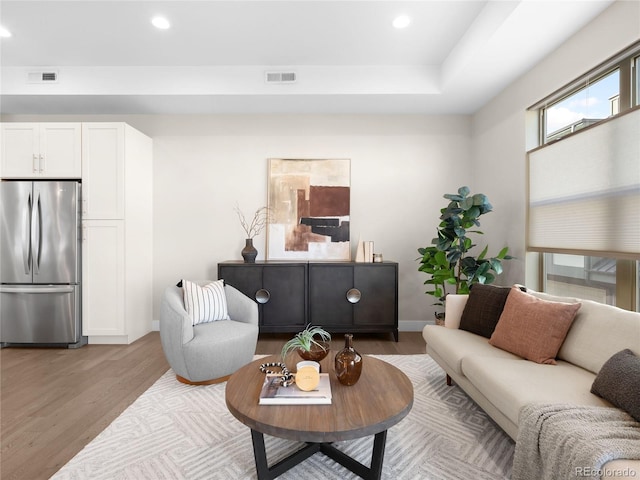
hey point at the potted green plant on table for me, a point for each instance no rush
(312, 343)
(448, 260)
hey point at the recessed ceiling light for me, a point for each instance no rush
(4, 33)
(161, 23)
(401, 21)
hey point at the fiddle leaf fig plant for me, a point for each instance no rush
(447, 260)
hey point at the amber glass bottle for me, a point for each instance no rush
(348, 363)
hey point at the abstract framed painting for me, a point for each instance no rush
(309, 201)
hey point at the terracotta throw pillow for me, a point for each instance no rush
(533, 328)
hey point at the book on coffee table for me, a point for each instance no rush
(273, 393)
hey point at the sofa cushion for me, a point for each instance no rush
(511, 383)
(533, 328)
(206, 303)
(452, 345)
(598, 332)
(619, 382)
(483, 309)
(590, 342)
(454, 306)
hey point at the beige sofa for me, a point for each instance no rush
(502, 383)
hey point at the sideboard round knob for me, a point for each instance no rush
(353, 295)
(262, 296)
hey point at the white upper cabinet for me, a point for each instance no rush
(103, 165)
(41, 150)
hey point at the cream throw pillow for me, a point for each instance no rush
(453, 308)
(205, 304)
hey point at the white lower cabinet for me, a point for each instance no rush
(103, 283)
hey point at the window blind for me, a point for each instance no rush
(584, 191)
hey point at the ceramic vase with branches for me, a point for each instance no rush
(257, 224)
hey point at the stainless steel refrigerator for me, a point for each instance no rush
(40, 247)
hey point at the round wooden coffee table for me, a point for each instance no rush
(382, 397)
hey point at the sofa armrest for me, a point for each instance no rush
(621, 468)
(454, 306)
(241, 308)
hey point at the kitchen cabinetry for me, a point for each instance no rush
(354, 297)
(103, 268)
(279, 288)
(117, 233)
(41, 150)
(339, 296)
(103, 166)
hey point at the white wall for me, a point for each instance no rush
(401, 165)
(498, 129)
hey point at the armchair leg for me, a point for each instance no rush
(204, 382)
(448, 380)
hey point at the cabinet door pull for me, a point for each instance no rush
(36, 163)
(354, 295)
(262, 296)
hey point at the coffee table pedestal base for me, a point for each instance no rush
(368, 473)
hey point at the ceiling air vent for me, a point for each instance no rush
(280, 77)
(42, 77)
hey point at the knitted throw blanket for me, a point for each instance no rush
(572, 442)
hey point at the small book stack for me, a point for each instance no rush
(364, 253)
(273, 393)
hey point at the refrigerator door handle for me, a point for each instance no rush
(23, 289)
(26, 238)
(36, 233)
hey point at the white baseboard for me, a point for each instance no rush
(403, 325)
(412, 325)
(108, 340)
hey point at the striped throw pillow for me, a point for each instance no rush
(205, 304)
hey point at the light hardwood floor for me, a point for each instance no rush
(55, 401)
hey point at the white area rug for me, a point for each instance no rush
(175, 431)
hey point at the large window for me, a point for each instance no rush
(589, 105)
(636, 70)
(637, 280)
(609, 89)
(584, 191)
(584, 185)
(591, 278)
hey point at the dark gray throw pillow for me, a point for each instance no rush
(619, 382)
(483, 309)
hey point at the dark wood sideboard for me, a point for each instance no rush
(339, 296)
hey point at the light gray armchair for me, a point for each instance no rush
(208, 352)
